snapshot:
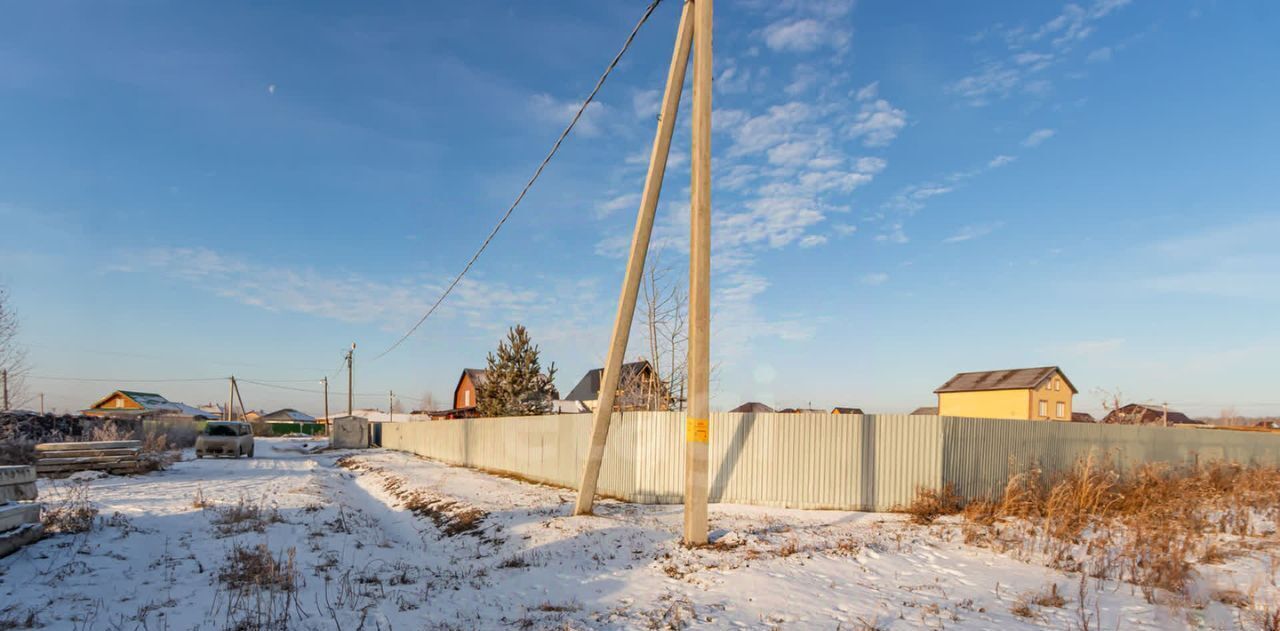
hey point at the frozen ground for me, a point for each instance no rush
(391, 541)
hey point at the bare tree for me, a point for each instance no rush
(662, 321)
(427, 402)
(13, 358)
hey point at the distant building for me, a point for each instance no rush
(286, 415)
(925, 411)
(801, 411)
(565, 406)
(840, 410)
(1039, 394)
(130, 404)
(751, 407)
(1082, 417)
(1140, 414)
(466, 395)
(639, 388)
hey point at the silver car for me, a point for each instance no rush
(225, 438)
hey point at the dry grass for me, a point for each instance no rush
(243, 516)
(1146, 527)
(259, 589)
(255, 567)
(70, 510)
(930, 504)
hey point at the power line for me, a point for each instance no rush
(97, 380)
(528, 185)
(307, 390)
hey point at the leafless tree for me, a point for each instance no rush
(662, 319)
(428, 402)
(13, 358)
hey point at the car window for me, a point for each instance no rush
(219, 430)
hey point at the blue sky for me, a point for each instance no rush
(901, 191)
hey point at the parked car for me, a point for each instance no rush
(225, 438)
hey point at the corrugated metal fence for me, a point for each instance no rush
(853, 462)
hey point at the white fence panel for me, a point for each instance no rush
(851, 462)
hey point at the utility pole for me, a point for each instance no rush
(391, 404)
(41, 404)
(1165, 405)
(231, 398)
(635, 263)
(244, 412)
(350, 379)
(697, 423)
(325, 381)
(4, 376)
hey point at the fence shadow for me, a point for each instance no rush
(732, 454)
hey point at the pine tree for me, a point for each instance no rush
(514, 384)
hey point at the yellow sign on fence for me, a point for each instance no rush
(697, 430)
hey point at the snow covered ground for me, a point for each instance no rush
(384, 540)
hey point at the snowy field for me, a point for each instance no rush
(384, 540)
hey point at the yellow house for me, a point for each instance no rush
(1035, 394)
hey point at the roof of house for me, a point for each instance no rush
(842, 410)
(1083, 417)
(801, 411)
(288, 414)
(588, 388)
(153, 402)
(1014, 379)
(478, 375)
(926, 411)
(1126, 414)
(752, 407)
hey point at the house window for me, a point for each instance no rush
(1044, 408)
(1057, 385)
(466, 398)
(1062, 410)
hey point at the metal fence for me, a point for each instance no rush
(851, 462)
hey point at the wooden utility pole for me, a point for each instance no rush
(231, 398)
(243, 411)
(350, 379)
(697, 422)
(325, 381)
(41, 404)
(635, 263)
(1165, 406)
(391, 404)
(4, 377)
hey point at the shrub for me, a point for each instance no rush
(930, 504)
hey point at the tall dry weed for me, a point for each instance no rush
(1148, 526)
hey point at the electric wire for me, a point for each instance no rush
(528, 185)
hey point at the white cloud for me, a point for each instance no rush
(878, 123)
(341, 296)
(1037, 137)
(968, 233)
(794, 153)
(874, 278)
(551, 110)
(1100, 55)
(803, 35)
(777, 125)
(615, 204)
(1028, 52)
(1000, 161)
(845, 229)
(646, 103)
(812, 240)
(869, 91)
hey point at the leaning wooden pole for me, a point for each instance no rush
(635, 263)
(697, 423)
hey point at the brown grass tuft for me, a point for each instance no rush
(930, 504)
